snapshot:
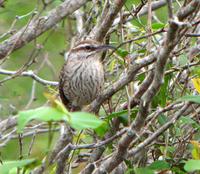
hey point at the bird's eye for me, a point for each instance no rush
(88, 47)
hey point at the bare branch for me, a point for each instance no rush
(154, 6)
(8, 123)
(124, 80)
(170, 9)
(99, 31)
(30, 74)
(159, 131)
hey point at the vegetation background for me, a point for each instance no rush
(177, 149)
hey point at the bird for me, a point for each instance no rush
(81, 78)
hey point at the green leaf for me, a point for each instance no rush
(183, 60)
(145, 170)
(186, 120)
(189, 121)
(129, 171)
(155, 166)
(78, 120)
(159, 165)
(122, 115)
(177, 170)
(195, 71)
(191, 98)
(156, 26)
(169, 149)
(163, 95)
(162, 119)
(102, 129)
(112, 65)
(42, 113)
(84, 120)
(144, 50)
(192, 165)
(10, 165)
(116, 114)
(122, 53)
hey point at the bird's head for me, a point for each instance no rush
(88, 49)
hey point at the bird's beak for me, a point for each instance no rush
(105, 47)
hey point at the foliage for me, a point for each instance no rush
(78, 120)
(147, 117)
(11, 166)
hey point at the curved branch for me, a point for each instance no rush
(30, 74)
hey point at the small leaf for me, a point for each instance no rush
(159, 165)
(156, 26)
(56, 103)
(177, 170)
(163, 94)
(84, 120)
(186, 120)
(122, 53)
(144, 50)
(191, 98)
(102, 129)
(145, 170)
(196, 83)
(9, 165)
(169, 149)
(195, 71)
(183, 60)
(50, 97)
(192, 165)
(189, 121)
(116, 114)
(112, 65)
(162, 119)
(42, 113)
(195, 150)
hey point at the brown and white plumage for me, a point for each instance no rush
(82, 75)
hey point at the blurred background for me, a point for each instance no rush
(15, 94)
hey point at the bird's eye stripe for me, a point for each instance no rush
(85, 47)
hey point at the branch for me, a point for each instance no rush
(157, 133)
(8, 123)
(142, 89)
(123, 81)
(170, 41)
(170, 9)
(30, 74)
(154, 6)
(36, 27)
(90, 146)
(139, 38)
(99, 31)
(192, 35)
(188, 10)
(135, 99)
(27, 134)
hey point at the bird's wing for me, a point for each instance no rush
(64, 99)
